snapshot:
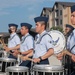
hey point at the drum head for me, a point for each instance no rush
(3, 59)
(48, 67)
(58, 41)
(16, 69)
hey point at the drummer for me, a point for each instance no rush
(71, 38)
(68, 62)
(13, 41)
(27, 44)
(43, 42)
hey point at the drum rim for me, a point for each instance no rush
(13, 69)
(38, 68)
(7, 59)
(64, 41)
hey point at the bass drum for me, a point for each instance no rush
(59, 45)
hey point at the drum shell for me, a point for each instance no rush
(7, 62)
(18, 70)
(46, 69)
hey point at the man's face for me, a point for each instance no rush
(23, 30)
(38, 27)
(73, 18)
(67, 29)
(12, 28)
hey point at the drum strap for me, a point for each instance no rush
(25, 38)
(12, 37)
(74, 39)
(42, 37)
(72, 48)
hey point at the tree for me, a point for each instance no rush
(57, 28)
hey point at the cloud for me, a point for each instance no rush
(5, 4)
(22, 3)
(30, 4)
(13, 3)
(31, 17)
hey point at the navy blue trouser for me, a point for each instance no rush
(26, 63)
(11, 56)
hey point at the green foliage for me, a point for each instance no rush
(57, 28)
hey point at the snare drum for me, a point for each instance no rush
(7, 62)
(48, 70)
(1, 53)
(17, 70)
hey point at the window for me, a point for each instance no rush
(57, 13)
(56, 5)
(57, 22)
(60, 12)
(61, 22)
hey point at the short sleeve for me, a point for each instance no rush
(48, 42)
(17, 40)
(30, 42)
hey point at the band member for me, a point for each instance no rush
(13, 41)
(71, 39)
(43, 42)
(68, 62)
(27, 44)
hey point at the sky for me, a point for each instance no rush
(18, 11)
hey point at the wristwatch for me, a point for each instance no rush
(40, 58)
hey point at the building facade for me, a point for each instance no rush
(59, 14)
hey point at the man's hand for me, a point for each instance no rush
(4, 47)
(36, 60)
(73, 57)
(7, 49)
(59, 56)
(16, 52)
(24, 58)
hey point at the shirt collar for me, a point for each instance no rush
(42, 33)
(25, 35)
(74, 31)
(12, 34)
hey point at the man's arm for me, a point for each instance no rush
(27, 52)
(13, 48)
(48, 54)
(27, 56)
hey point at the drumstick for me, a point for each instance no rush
(19, 51)
(2, 42)
(29, 59)
(66, 52)
(20, 56)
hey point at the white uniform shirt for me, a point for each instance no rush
(71, 42)
(27, 43)
(14, 40)
(44, 45)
